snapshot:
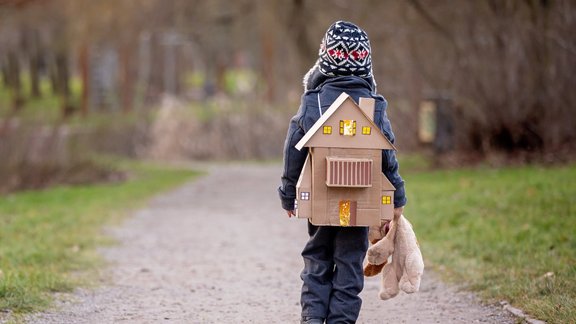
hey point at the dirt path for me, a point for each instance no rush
(220, 250)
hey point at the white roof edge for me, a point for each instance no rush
(329, 112)
(387, 181)
(333, 107)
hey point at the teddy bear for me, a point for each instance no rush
(397, 239)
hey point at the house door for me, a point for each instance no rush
(347, 212)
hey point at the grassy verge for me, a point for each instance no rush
(508, 233)
(46, 236)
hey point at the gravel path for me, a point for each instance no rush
(220, 250)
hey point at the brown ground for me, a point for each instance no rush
(220, 250)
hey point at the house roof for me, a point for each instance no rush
(377, 141)
(386, 184)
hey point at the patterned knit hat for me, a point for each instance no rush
(345, 50)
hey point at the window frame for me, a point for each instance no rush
(343, 122)
(386, 200)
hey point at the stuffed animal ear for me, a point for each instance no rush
(389, 286)
(370, 270)
(413, 264)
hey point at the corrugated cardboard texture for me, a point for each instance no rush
(349, 198)
(304, 185)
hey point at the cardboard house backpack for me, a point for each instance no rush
(341, 183)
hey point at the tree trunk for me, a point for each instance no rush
(267, 53)
(63, 83)
(298, 22)
(85, 77)
(14, 82)
(35, 76)
(126, 77)
(35, 61)
(155, 85)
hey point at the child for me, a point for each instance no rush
(332, 276)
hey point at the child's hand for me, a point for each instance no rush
(398, 211)
(290, 213)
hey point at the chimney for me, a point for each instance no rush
(367, 106)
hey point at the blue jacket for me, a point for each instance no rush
(308, 114)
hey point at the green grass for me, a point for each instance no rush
(48, 237)
(507, 233)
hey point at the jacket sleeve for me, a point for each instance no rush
(390, 164)
(293, 160)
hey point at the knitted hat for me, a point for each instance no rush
(345, 50)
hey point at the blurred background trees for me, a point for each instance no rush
(77, 76)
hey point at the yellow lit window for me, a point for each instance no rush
(344, 212)
(366, 130)
(348, 127)
(386, 200)
(327, 129)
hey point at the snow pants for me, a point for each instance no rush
(333, 273)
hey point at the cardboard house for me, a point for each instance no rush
(341, 183)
